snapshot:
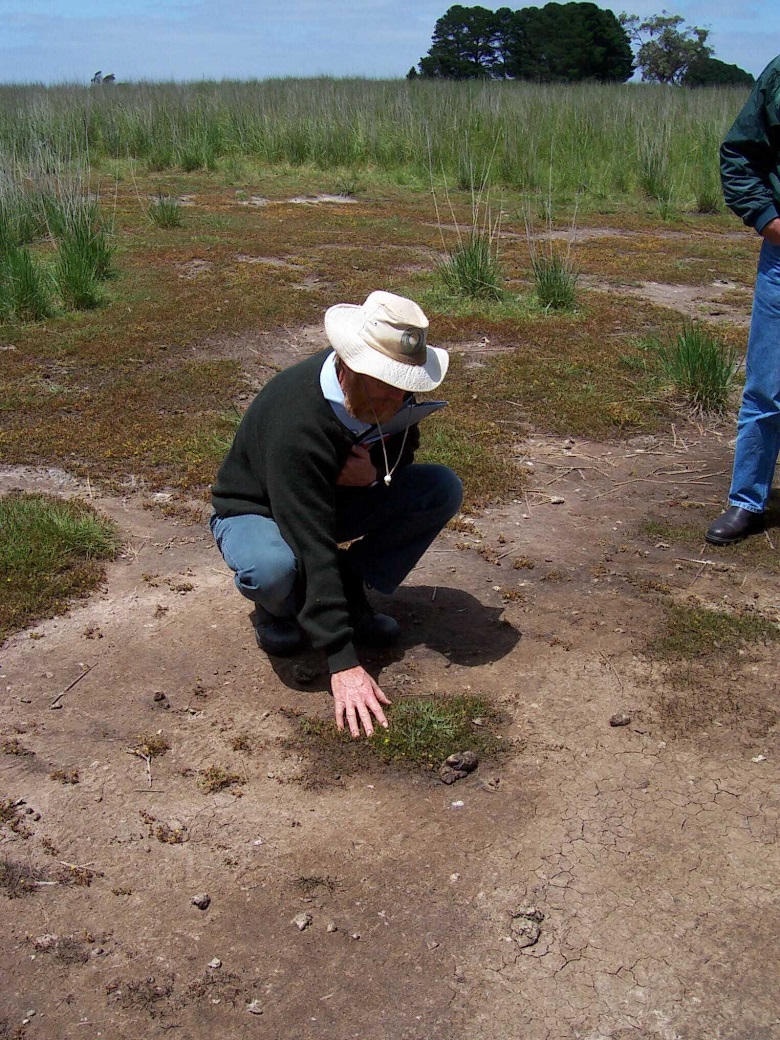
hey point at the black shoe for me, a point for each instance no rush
(734, 525)
(280, 636)
(372, 629)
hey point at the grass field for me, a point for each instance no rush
(159, 223)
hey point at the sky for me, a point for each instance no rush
(59, 41)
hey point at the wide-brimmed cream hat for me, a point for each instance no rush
(387, 338)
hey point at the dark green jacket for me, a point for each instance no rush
(284, 462)
(750, 153)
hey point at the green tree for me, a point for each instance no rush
(570, 42)
(463, 45)
(665, 48)
(710, 72)
(558, 42)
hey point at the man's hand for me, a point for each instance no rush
(771, 232)
(357, 697)
(359, 470)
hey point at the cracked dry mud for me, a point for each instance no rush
(647, 852)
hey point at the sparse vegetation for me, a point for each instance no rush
(425, 730)
(694, 631)
(51, 550)
(217, 778)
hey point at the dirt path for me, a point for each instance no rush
(595, 881)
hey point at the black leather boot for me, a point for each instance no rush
(734, 525)
(280, 636)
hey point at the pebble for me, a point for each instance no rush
(202, 901)
(526, 926)
(557, 500)
(215, 963)
(620, 718)
(302, 920)
(255, 1008)
(332, 926)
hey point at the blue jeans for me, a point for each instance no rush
(395, 525)
(758, 427)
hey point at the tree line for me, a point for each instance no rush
(572, 42)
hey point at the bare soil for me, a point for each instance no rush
(592, 881)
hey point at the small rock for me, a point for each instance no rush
(620, 718)
(457, 766)
(215, 963)
(30, 1014)
(255, 1008)
(202, 901)
(467, 760)
(332, 926)
(355, 935)
(526, 926)
(432, 944)
(303, 675)
(557, 500)
(159, 697)
(302, 920)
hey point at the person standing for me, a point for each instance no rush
(750, 174)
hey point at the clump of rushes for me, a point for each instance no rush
(165, 212)
(24, 292)
(699, 367)
(472, 268)
(51, 551)
(555, 279)
(85, 250)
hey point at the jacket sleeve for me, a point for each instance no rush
(748, 155)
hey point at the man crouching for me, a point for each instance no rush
(296, 483)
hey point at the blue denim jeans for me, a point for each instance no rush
(395, 525)
(758, 426)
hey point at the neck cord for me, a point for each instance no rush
(388, 472)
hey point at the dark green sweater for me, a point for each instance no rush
(284, 462)
(750, 153)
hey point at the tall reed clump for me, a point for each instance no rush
(471, 269)
(700, 367)
(84, 248)
(165, 212)
(24, 287)
(555, 273)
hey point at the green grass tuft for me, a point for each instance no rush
(51, 550)
(24, 292)
(431, 728)
(556, 281)
(472, 269)
(700, 367)
(165, 212)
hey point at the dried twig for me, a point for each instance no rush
(58, 698)
(146, 758)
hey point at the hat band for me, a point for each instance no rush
(413, 347)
